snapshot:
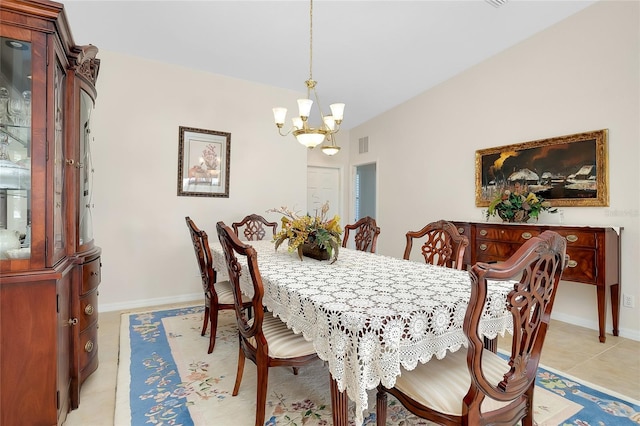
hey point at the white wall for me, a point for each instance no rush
(138, 217)
(580, 75)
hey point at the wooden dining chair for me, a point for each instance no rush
(366, 234)
(264, 339)
(217, 295)
(254, 227)
(443, 245)
(476, 386)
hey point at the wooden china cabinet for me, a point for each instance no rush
(49, 264)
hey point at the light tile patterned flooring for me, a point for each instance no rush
(574, 350)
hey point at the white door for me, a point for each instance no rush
(323, 184)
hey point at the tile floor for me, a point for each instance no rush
(574, 350)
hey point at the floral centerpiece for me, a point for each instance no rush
(518, 207)
(313, 236)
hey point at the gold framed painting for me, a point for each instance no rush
(569, 170)
(203, 162)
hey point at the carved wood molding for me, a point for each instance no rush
(86, 63)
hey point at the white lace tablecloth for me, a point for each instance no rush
(368, 314)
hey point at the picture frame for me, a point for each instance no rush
(570, 170)
(203, 162)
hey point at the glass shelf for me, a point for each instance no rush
(15, 149)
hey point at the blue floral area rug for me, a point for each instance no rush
(166, 377)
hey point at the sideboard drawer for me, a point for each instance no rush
(516, 234)
(492, 251)
(582, 266)
(464, 228)
(577, 238)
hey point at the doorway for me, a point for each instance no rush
(323, 184)
(364, 188)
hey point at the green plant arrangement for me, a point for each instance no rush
(310, 234)
(518, 207)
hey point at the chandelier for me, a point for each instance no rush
(304, 133)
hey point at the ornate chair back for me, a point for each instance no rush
(264, 339)
(477, 386)
(254, 227)
(217, 294)
(443, 244)
(204, 259)
(233, 247)
(366, 234)
(539, 264)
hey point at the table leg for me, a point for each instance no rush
(602, 312)
(339, 405)
(615, 307)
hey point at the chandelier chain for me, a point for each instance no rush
(311, 41)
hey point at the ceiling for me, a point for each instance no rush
(371, 55)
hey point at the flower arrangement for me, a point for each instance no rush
(518, 207)
(303, 231)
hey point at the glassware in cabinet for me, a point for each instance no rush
(15, 148)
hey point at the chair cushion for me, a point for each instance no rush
(441, 384)
(225, 293)
(282, 341)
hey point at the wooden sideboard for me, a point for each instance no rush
(594, 255)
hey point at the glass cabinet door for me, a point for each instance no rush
(15, 149)
(86, 170)
(59, 228)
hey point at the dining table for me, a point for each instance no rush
(369, 315)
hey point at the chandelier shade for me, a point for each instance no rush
(310, 137)
(330, 149)
(330, 124)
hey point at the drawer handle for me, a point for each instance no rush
(526, 235)
(93, 273)
(88, 347)
(483, 247)
(572, 264)
(572, 238)
(483, 232)
(460, 230)
(88, 309)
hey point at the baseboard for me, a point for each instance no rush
(581, 322)
(144, 303)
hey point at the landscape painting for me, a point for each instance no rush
(567, 170)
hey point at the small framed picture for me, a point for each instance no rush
(203, 163)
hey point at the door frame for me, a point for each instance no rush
(352, 188)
